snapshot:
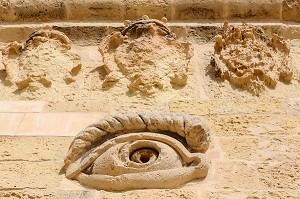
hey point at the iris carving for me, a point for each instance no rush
(138, 151)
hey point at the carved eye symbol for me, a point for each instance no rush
(139, 151)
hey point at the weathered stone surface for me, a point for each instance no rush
(33, 148)
(195, 10)
(6, 11)
(254, 125)
(278, 175)
(253, 9)
(94, 9)
(38, 10)
(292, 106)
(249, 59)
(156, 9)
(265, 149)
(254, 151)
(47, 194)
(225, 106)
(291, 10)
(26, 174)
(251, 194)
(91, 194)
(237, 175)
(152, 194)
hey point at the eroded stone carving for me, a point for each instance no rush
(148, 54)
(137, 151)
(45, 57)
(247, 58)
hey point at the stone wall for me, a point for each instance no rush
(254, 150)
(193, 10)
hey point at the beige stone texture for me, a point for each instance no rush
(82, 194)
(29, 174)
(254, 149)
(10, 123)
(250, 195)
(253, 9)
(222, 107)
(254, 125)
(22, 106)
(291, 10)
(55, 124)
(39, 10)
(237, 175)
(47, 194)
(94, 9)
(33, 149)
(156, 9)
(280, 175)
(195, 10)
(264, 148)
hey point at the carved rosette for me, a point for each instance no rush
(43, 59)
(249, 59)
(148, 54)
(138, 151)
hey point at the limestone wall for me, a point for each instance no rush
(193, 10)
(254, 150)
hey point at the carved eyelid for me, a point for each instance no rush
(192, 128)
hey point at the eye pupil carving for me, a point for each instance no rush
(144, 155)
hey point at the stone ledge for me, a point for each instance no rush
(40, 10)
(22, 106)
(56, 124)
(92, 32)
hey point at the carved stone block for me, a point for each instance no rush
(43, 59)
(248, 58)
(146, 53)
(138, 151)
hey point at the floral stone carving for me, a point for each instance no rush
(148, 54)
(44, 58)
(247, 58)
(138, 151)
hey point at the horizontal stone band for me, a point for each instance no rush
(191, 10)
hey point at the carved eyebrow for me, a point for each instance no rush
(192, 128)
(162, 26)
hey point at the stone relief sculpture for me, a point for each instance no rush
(247, 58)
(137, 151)
(148, 54)
(44, 58)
